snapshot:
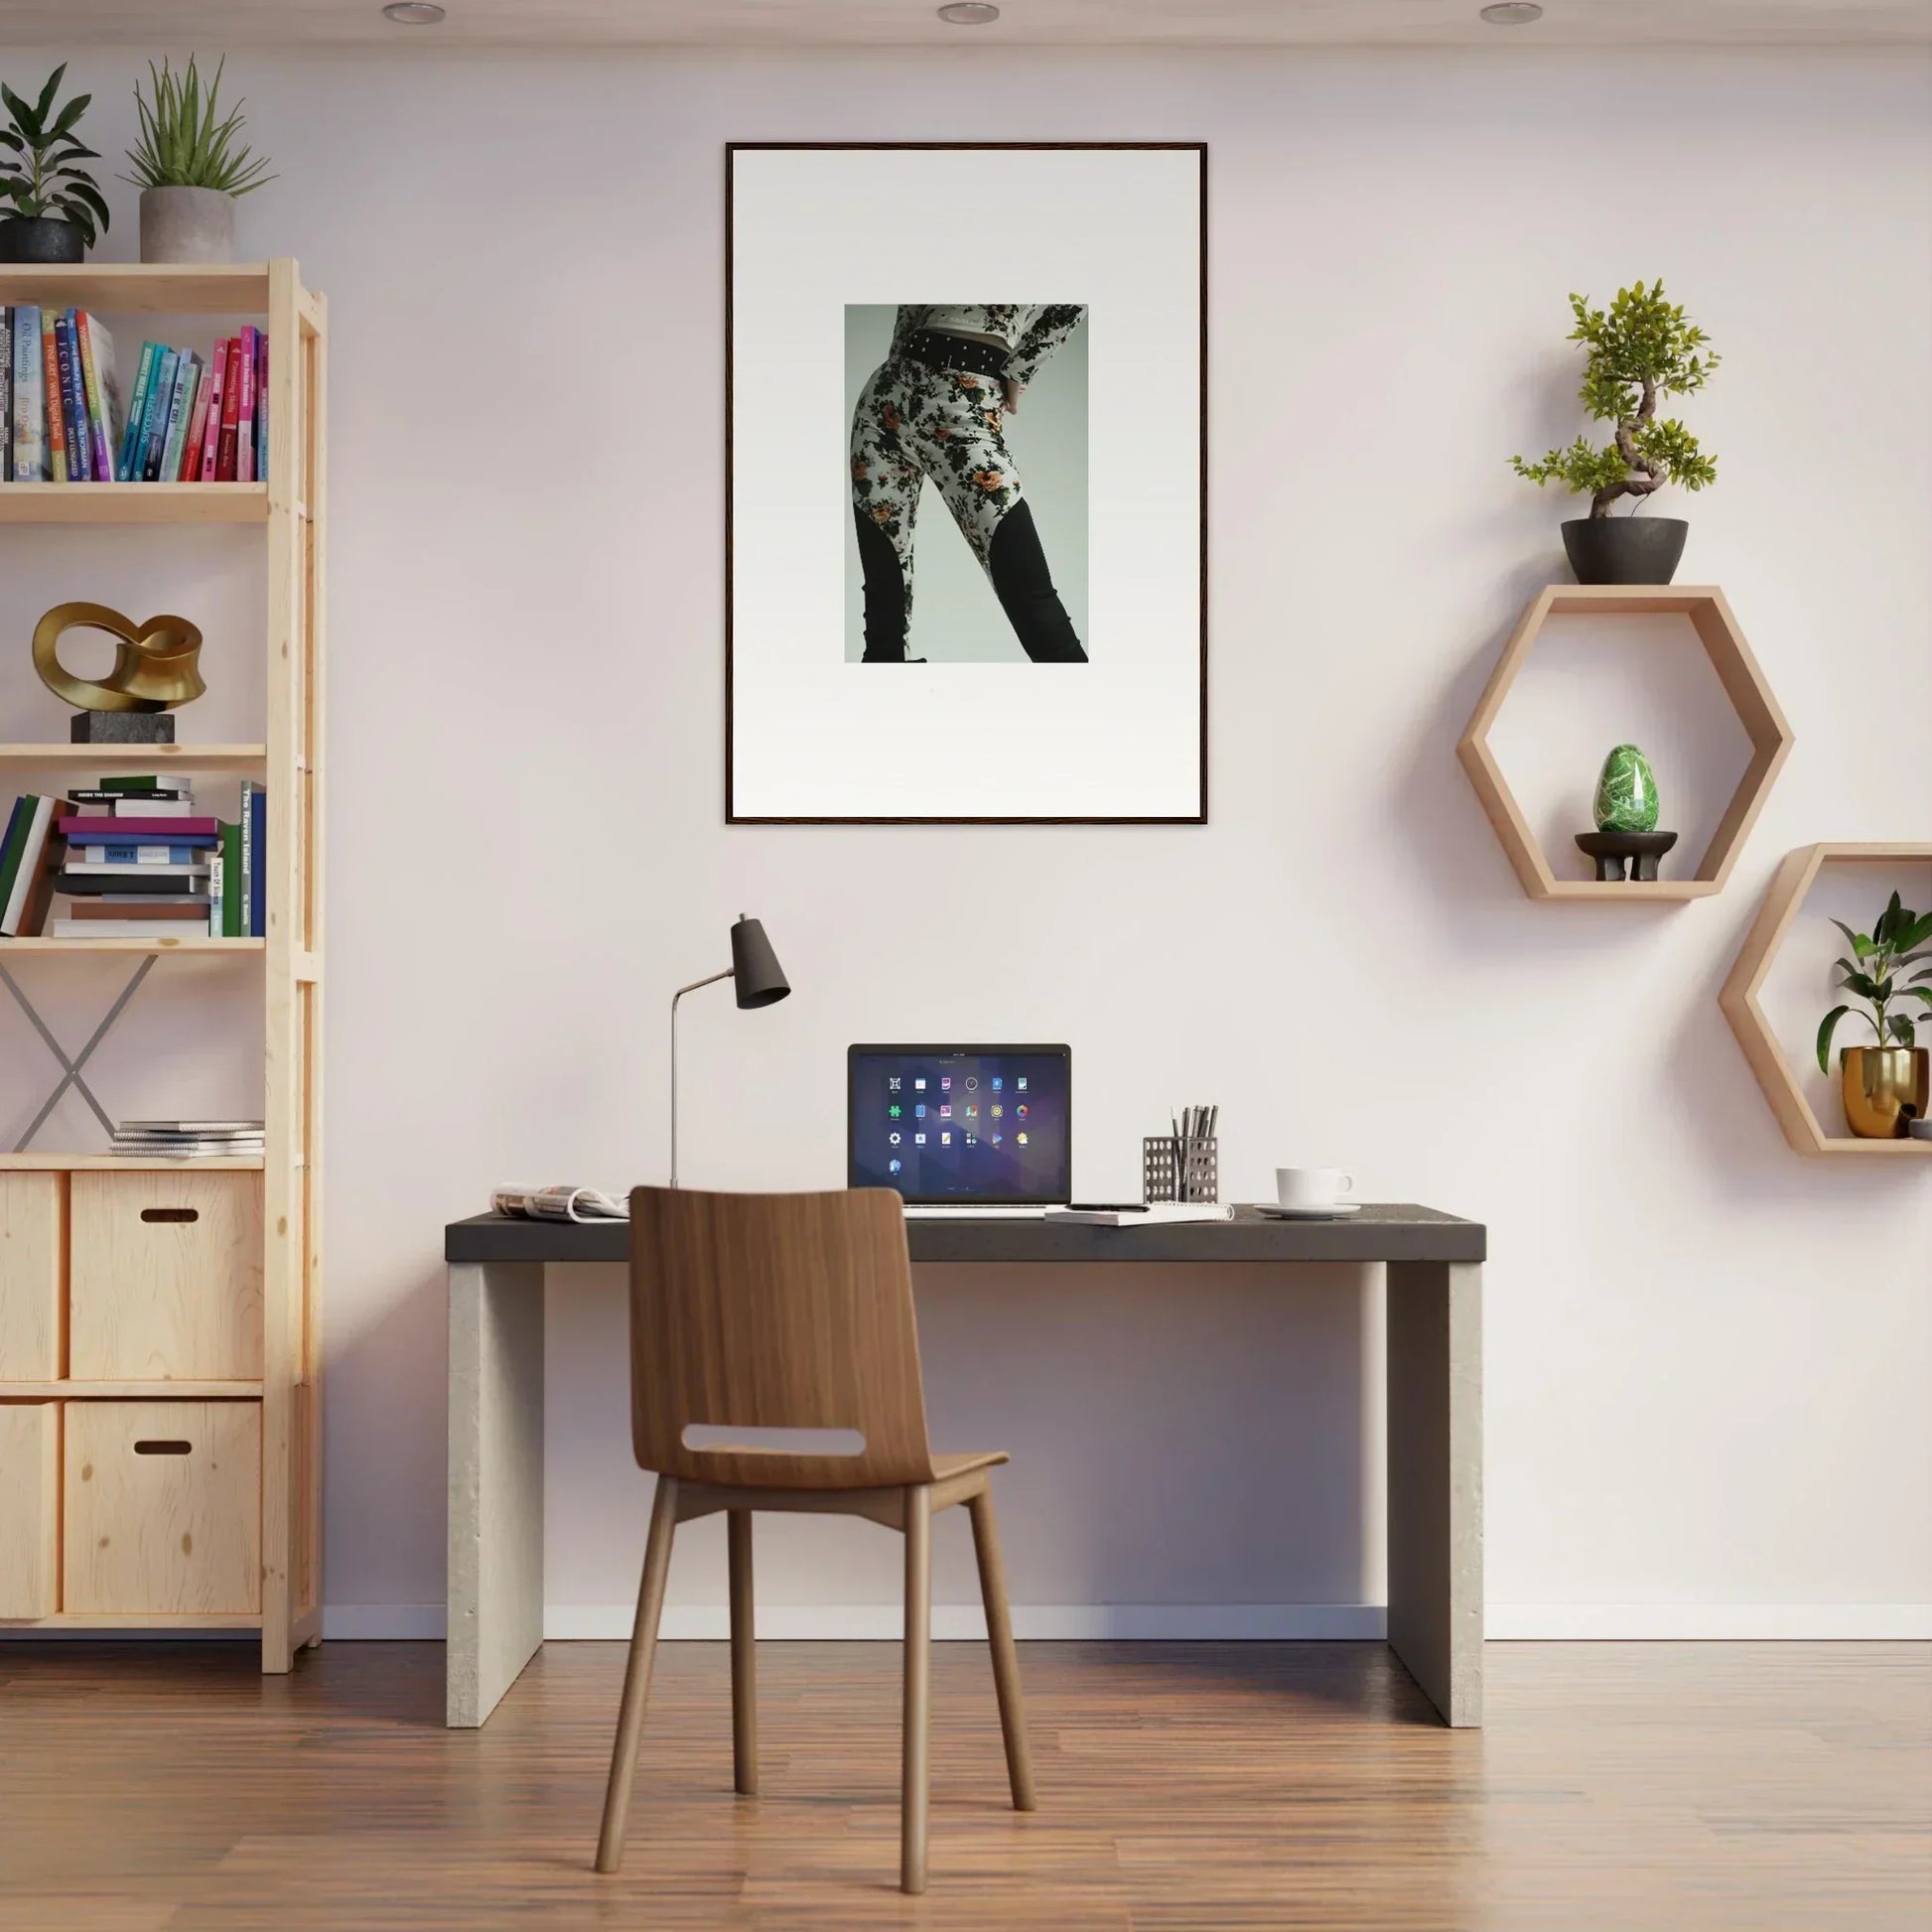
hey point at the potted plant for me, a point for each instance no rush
(1639, 352)
(1884, 1086)
(52, 209)
(189, 169)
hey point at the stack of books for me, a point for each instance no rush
(135, 860)
(188, 418)
(186, 1140)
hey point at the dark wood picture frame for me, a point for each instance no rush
(732, 150)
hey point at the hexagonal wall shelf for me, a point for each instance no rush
(1739, 998)
(1744, 684)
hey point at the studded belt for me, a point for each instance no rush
(939, 350)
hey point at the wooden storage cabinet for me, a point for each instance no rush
(33, 1241)
(161, 1508)
(165, 1277)
(30, 1508)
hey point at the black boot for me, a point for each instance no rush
(1024, 587)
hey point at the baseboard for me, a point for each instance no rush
(1707, 1622)
(1197, 1622)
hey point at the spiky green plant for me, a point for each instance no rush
(1640, 349)
(182, 144)
(1896, 941)
(37, 178)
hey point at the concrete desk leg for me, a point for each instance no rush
(1435, 1328)
(495, 1578)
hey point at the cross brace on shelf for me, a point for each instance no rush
(72, 1077)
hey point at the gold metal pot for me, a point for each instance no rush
(1885, 1087)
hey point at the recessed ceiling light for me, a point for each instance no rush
(413, 13)
(1512, 13)
(969, 13)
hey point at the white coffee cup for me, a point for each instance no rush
(1309, 1187)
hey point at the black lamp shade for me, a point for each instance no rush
(757, 976)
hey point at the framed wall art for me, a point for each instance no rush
(965, 539)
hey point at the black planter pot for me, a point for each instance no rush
(40, 238)
(1624, 549)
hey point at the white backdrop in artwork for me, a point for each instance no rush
(956, 617)
(1118, 230)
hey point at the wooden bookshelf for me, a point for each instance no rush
(282, 1188)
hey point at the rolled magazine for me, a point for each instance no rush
(559, 1203)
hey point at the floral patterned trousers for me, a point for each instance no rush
(912, 422)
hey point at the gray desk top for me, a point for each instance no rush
(1382, 1231)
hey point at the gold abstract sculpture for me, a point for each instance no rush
(153, 662)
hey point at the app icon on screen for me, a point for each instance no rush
(892, 1084)
(945, 1083)
(918, 1140)
(945, 1140)
(972, 1080)
(970, 1141)
(998, 1110)
(1021, 1110)
(894, 1110)
(996, 1139)
(894, 1167)
(1021, 1137)
(972, 1113)
(919, 1110)
(945, 1113)
(918, 1084)
(998, 1083)
(1020, 1085)
(893, 1138)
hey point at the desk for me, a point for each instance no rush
(1435, 1411)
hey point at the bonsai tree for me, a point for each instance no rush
(1638, 351)
(182, 144)
(1878, 958)
(37, 151)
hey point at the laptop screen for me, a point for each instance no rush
(962, 1124)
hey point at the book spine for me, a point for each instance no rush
(217, 922)
(27, 408)
(137, 403)
(97, 355)
(178, 408)
(258, 870)
(57, 418)
(154, 431)
(218, 385)
(83, 355)
(137, 855)
(6, 393)
(231, 416)
(244, 456)
(14, 920)
(247, 817)
(261, 405)
(231, 903)
(189, 466)
(73, 409)
(17, 823)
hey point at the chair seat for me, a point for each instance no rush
(946, 1467)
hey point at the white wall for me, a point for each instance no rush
(1708, 1360)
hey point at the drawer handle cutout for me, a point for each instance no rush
(153, 1446)
(171, 1213)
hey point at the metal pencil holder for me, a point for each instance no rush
(1179, 1171)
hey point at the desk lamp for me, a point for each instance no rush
(760, 981)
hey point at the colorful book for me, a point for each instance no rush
(147, 795)
(15, 836)
(127, 467)
(74, 410)
(245, 467)
(190, 467)
(109, 831)
(232, 898)
(103, 394)
(57, 421)
(218, 385)
(30, 415)
(116, 905)
(261, 405)
(217, 897)
(24, 910)
(134, 855)
(145, 782)
(160, 400)
(257, 865)
(179, 410)
(6, 395)
(158, 882)
(230, 415)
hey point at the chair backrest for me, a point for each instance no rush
(775, 1311)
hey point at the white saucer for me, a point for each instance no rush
(1270, 1211)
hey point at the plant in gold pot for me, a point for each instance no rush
(190, 167)
(1886, 1084)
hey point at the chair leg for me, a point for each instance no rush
(636, 1675)
(1006, 1659)
(916, 1764)
(744, 1669)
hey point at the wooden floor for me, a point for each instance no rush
(1630, 1787)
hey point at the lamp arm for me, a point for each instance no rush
(675, 998)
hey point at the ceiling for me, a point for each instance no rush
(1039, 22)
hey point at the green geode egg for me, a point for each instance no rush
(1626, 792)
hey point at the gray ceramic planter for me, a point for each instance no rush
(187, 224)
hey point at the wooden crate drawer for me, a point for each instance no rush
(165, 1277)
(30, 1508)
(32, 1237)
(163, 1506)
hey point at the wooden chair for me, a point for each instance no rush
(764, 1312)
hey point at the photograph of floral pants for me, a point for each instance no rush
(914, 419)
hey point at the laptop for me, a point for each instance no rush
(962, 1130)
